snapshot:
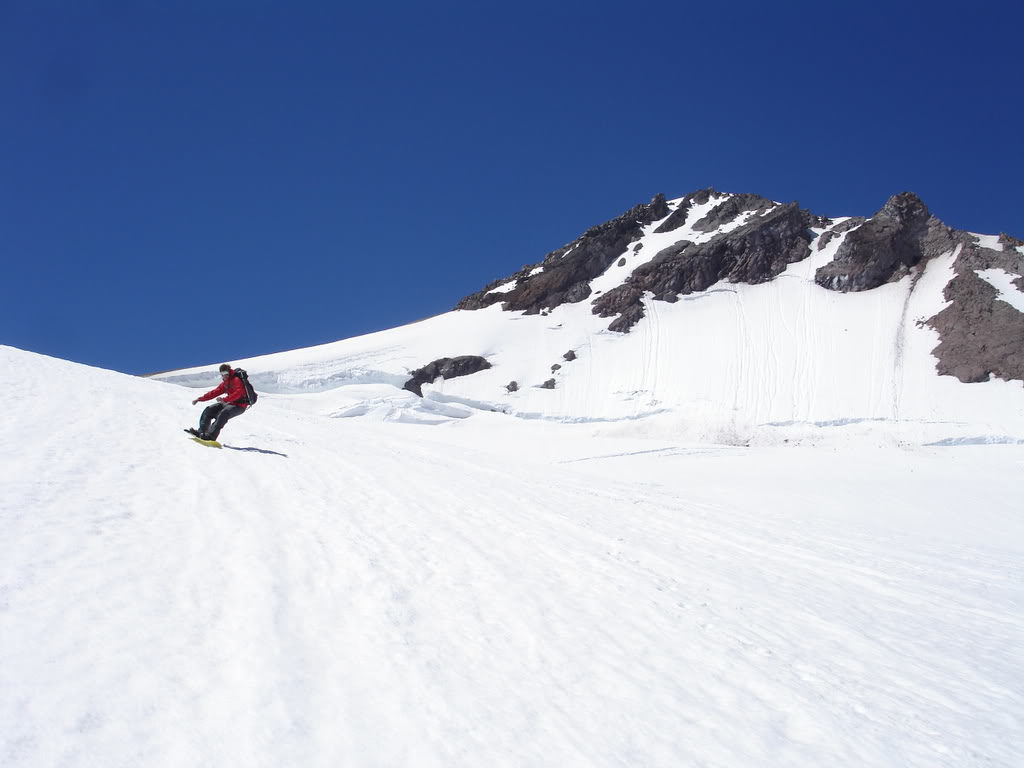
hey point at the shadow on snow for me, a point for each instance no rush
(255, 450)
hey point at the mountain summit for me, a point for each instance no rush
(749, 239)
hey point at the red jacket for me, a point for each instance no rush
(234, 388)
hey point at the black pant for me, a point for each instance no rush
(219, 414)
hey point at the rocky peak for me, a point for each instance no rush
(886, 247)
(904, 208)
(682, 211)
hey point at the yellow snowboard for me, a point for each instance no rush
(211, 443)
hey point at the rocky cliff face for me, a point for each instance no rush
(981, 336)
(886, 246)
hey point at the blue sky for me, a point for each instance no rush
(183, 183)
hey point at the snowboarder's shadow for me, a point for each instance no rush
(255, 450)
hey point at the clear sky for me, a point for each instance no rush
(190, 182)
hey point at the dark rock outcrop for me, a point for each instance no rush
(569, 356)
(752, 253)
(446, 368)
(886, 246)
(678, 217)
(729, 209)
(549, 384)
(980, 336)
(566, 273)
(846, 226)
(1012, 243)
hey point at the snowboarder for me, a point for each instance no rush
(232, 401)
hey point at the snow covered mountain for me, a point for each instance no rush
(771, 518)
(733, 319)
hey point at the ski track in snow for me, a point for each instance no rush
(490, 591)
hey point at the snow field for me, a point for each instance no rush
(329, 591)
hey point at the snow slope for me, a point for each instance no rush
(476, 589)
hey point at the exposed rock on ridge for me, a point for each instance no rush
(752, 253)
(679, 215)
(726, 211)
(884, 249)
(839, 229)
(980, 336)
(566, 272)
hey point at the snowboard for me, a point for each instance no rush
(196, 438)
(211, 443)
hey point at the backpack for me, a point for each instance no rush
(250, 393)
